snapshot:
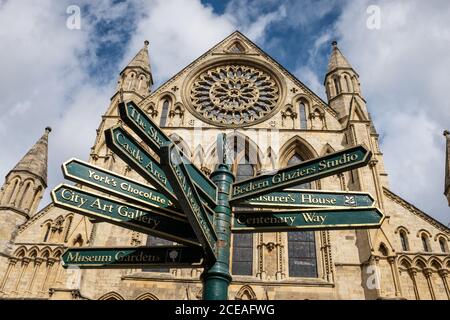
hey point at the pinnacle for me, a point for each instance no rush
(35, 160)
(337, 59)
(141, 60)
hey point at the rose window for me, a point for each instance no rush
(234, 94)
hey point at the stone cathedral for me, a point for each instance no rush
(273, 120)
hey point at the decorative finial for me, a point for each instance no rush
(334, 43)
(146, 43)
(48, 130)
(446, 133)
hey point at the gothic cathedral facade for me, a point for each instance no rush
(273, 120)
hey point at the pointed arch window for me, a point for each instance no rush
(242, 258)
(164, 113)
(296, 159)
(301, 244)
(348, 83)
(337, 85)
(383, 250)
(443, 245)
(12, 191)
(23, 202)
(302, 113)
(425, 243)
(47, 232)
(404, 241)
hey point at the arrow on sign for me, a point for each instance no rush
(307, 219)
(291, 199)
(108, 181)
(189, 199)
(125, 215)
(307, 171)
(151, 134)
(133, 257)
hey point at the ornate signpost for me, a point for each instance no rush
(183, 205)
(149, 132)
(189, 199)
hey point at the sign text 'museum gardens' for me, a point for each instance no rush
(138, 257)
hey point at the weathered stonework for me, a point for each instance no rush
(348, 261)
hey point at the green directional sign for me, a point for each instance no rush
(307, 171)
(129, 150)
(189, 199)
(307, 219)
(142, 125)
(154, 222)
(133, 257)
(290, 199)
(151, 134)
(110, 182)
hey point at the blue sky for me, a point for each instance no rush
(64, 78)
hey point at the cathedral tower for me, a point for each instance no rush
(136, 78)
(342, 84)
(134, 84)
(22, 191)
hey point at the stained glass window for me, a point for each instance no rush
(242, 259)
(302, 113)
(164, 113)
(442, 244)
(425, 243)
(404, 241)
(301, 244)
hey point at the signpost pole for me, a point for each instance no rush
(217, 277)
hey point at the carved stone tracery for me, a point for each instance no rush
(234, 94)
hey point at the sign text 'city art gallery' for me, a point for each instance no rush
(154, 222)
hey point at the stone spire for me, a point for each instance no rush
(141, 60)
(447, 166)
(137, 75)
(341, 84)
(337, 60)
(35, 161)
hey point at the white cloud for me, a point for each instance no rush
(45, 82)
(45, 78)
(403, 69)
(179, 32)
(311, 80)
